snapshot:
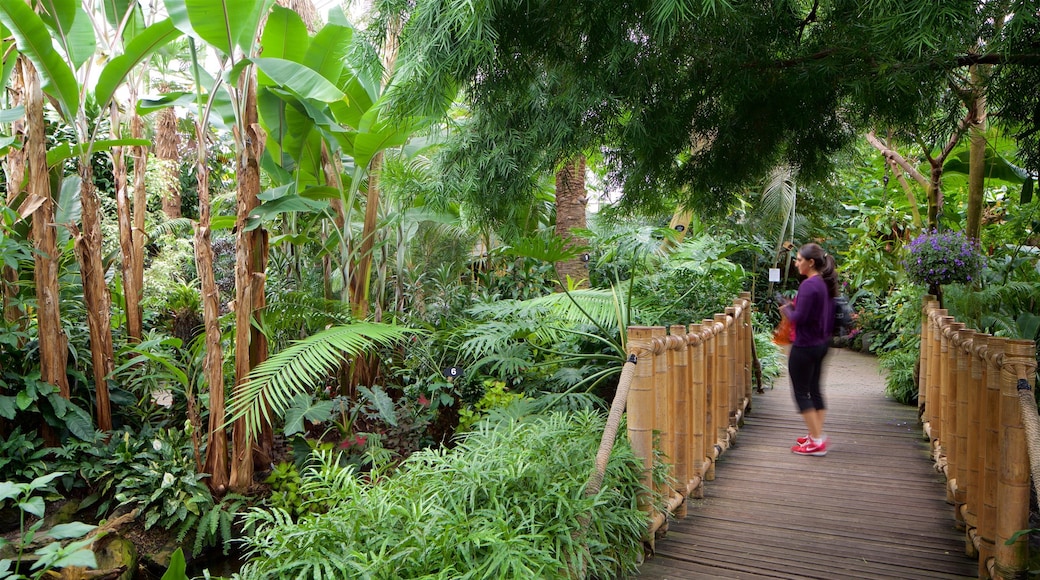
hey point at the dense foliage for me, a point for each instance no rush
(507, 502)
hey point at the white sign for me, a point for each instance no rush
(774, 274)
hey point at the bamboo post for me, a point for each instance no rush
(698, 409)
(924, 382)
(948, 438)
(678, 413)
(935, 379)
(746, 345)
(736, 392)
(664, 437)
(1013, 483)
(711, 390)
(975, 442)
(987, 529)
(722, 382)
(962, 353)
(641, 406)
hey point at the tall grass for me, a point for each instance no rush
(507, 502)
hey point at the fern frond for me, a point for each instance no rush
(491, 337)
(177, 226)
(271, 386)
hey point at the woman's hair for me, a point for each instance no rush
(824, 265)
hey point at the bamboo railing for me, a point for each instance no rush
(977, 406)
(686, 390)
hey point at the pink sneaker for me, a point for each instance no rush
(805, 439)
(810, 448)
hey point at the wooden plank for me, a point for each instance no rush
(874, 507)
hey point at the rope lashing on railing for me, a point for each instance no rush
(1031, 422)
(606, 443)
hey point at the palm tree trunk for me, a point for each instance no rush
(96, 297)
(361, 276)
(53, 342)
(140, 208)
(570, 213)
(216, 463)
(131, 292)
(167, 143)
(54, 350)
(14, 174)
(250, 259)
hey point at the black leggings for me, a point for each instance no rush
(804, 366)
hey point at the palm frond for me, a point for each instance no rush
(490, 337)
(176, 226)
(271, 386)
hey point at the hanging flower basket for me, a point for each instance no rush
(935, 258)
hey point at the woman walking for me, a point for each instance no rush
(812, 314)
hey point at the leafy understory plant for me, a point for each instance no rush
(53, 554)
(507, 502)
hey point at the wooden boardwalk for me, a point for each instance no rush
(874, 507)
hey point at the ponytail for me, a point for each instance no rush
(824, 264)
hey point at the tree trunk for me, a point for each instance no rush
(976, 157)
(360, 278)
(167, 143)
(216, 463)
(332, 167)
(900, 167)
(131, 291)
(250, 259)
(53, 342)
(570, 213)
(15, 175)
(140, 207)
(96, 297)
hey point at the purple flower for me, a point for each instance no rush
(943, 258)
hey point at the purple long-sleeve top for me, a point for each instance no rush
(812, 313)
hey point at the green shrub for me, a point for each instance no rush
(508, 502)
(899, 380)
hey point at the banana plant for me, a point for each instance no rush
(324, 95)
(57, 38)
(232, 30)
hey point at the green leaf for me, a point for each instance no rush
(45, 480)
(178, 567)
(57, 155)
(83, 557)
(137, 50)
(302, 408)
(34, 41)
(299, 367)
(224, 24)
(33, 505)
(287, 204)
(69, 531)
(328, 51)
(115, 11)
(23, 400)
(299, 79)
(7, 407)
(285, 36)
(382, 402)
(173, 99)
(9, 489)
(12, 114)
(79, 423)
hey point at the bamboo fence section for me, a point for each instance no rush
(979, 412)
(686, 390)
